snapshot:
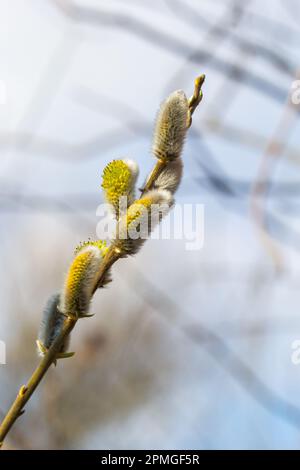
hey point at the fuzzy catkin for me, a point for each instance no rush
(141, 219)
(51, 326)
(171, 127)
(100, 244)
(118, 183)
(81, 281)
(170, 176)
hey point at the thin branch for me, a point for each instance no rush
(112, 255)
(25, 392)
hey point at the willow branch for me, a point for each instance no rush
(112, 255)
(26, 391)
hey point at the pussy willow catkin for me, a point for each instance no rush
(81, 280)
(141, 218)
(170, 176)
(118, 182)
(171, 127)
(51, 325)
(93, 260)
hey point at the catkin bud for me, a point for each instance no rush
(51, 325)
(170, 176)
(141, 218)
(118, 183)
(81, 280)
(100, 244)
(171, 126)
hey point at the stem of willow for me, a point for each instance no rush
(26, 391)
(112, 255)
(157, 169)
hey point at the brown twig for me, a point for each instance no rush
(50, 357)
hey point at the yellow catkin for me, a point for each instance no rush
(118, 181)
(81, 281)
(101, 244)
(141, 217)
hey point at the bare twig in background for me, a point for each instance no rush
(98, 17)
(260, 189)
(225, 357)
(222, 31)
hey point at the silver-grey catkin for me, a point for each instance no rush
(51, 325)
(141, 219)
(170, 176)
(171, 127)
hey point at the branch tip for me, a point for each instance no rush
(197, 95)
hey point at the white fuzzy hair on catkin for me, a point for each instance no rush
(170, 176)
(145, 221)
(171, 127)
(51, 324)
(133, 167)
(81, 282)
